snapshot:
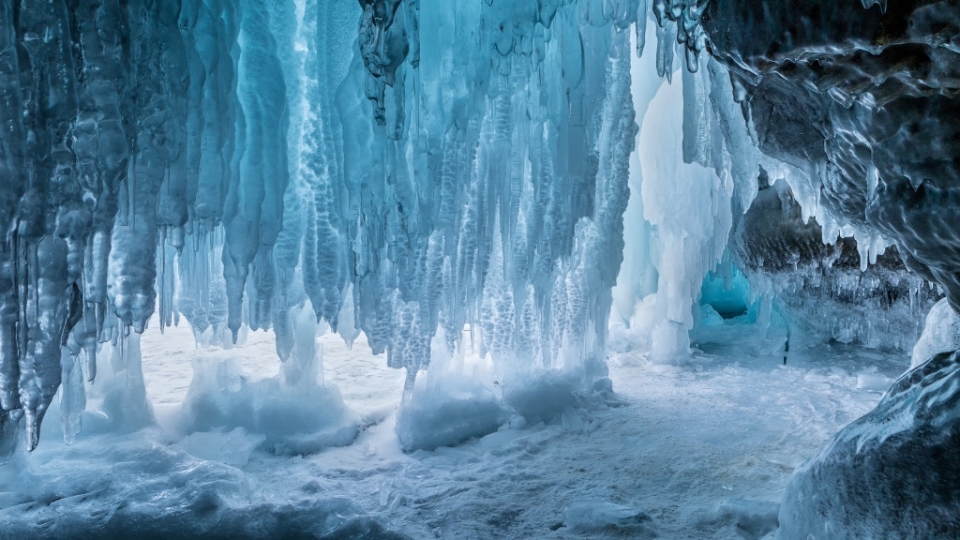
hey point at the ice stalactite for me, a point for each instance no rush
(102, 153)
(695, 170)
(822, 287)
(253, 211)
(500, 172)
(686, 202)
(101, 145)
(679, 20)
(51, 220)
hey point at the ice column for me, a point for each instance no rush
(696, 165)
(12, 183)
(688, 205)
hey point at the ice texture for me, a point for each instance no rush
(841, 99)
(859, 103)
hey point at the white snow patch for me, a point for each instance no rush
(941, 333)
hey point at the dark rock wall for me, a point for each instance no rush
(865, 100)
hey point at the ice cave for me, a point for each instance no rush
(479, 269)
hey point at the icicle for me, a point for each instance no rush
(254, 211)
(72, 396)
(9, 349)
(11, 189)
(665, 37)
(641, 26)
(40, 370)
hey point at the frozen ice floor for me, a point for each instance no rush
(701, 451)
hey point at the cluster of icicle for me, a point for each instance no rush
(130, 130)
(227, 161)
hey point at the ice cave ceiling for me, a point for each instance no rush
(411, 168)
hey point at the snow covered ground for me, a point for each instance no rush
(700, 451)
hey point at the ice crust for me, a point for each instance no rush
(730, 425)
(592, 516)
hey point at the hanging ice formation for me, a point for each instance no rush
(407, 168)
(226, 161)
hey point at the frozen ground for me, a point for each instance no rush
(701, 451)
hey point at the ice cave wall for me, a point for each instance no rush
(412, 168)
(229, 161)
